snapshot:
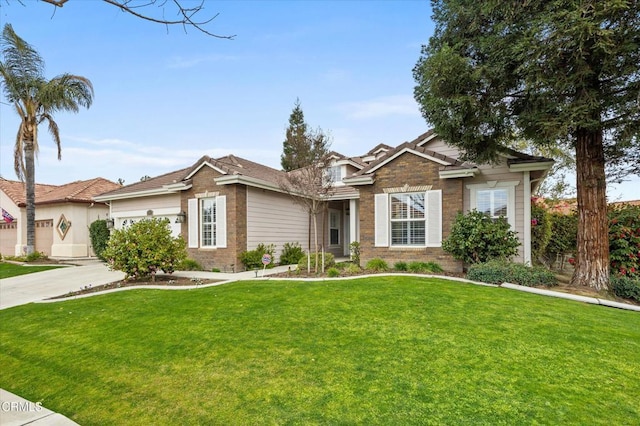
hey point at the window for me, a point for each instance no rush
(335, 173)
(495, 199)
(334, 227)
(208, 222)
(492, 202)
(408, 220)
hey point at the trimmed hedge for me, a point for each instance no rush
(498, 272)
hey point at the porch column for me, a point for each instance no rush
(527, 218)
(353, 221)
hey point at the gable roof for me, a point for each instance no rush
(81, 191)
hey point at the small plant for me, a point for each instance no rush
(189, 265)
(329, 261)
(99, 235)
(252, 259)
(498, 272)
(476, 238)
(291, 254)
(215, 269)
(377, 265)
(333, 272)
(424, 267)
(355, 252)
(35, 256)
(401, 266)
(626, 287)
(353, 269)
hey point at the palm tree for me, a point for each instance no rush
(35, 99)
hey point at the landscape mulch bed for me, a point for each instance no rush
(161, 280)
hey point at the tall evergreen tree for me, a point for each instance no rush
(35, 100)
(296, 150)
(558, 72)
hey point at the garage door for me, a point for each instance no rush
(44, 236)
(8, 238)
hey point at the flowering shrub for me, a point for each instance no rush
(476, 238)
(624, 240)
(145, 248)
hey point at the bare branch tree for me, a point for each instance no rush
(185, 16)
(311, 187)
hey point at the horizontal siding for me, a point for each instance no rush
(273, 218)
(146, 203)
(439, 146)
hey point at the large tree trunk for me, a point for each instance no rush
(592, 263)
(30, 183)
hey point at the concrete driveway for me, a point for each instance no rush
(56, 282)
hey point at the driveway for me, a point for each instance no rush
(38, 286)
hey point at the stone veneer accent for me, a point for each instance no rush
(411, 171)
(225, 259)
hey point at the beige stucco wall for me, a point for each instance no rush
(161, 206)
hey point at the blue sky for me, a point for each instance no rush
(164, 99)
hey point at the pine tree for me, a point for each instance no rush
(296, 151)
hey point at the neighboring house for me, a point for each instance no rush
(63, 216)
(399, 203)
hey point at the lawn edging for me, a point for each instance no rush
(569, 296)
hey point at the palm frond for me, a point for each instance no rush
(55, 133)
(66, 92)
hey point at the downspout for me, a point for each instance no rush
(527, 218)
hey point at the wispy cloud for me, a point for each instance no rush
(381, 107)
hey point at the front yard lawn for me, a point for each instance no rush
(8, 270)
(378, 350)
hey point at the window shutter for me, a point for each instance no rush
(193, 219)
(434, 218)
(381, 220)
(221, 218)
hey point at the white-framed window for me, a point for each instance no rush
(497, 199)
(493, 202)
(335, 173)
(408, 219)
(334, 227)
(207, 222)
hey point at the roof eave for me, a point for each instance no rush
(461, 173)
(531, 166)
(249, 181)
(359, 180)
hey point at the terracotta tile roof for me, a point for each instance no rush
(81, 191)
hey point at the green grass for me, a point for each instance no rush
(8, 270)
(380, 350)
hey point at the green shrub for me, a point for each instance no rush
(498, 272)
(333, 272)
(424, 267)
(355, 252)
(626, 287)
(564, 234)
(353, 269)
(329, 260)
(99, 235)
(377, 265)
(624, 240)
(291, 254)
(35, 256)
(476, 238)
(252, 259)
(144, 248)
(401, 266)
(189, 265)
(541, 228)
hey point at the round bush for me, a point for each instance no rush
(99, 235)
(477, 238)
(377, 265)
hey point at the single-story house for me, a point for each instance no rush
(397, 202)
(63, 216)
